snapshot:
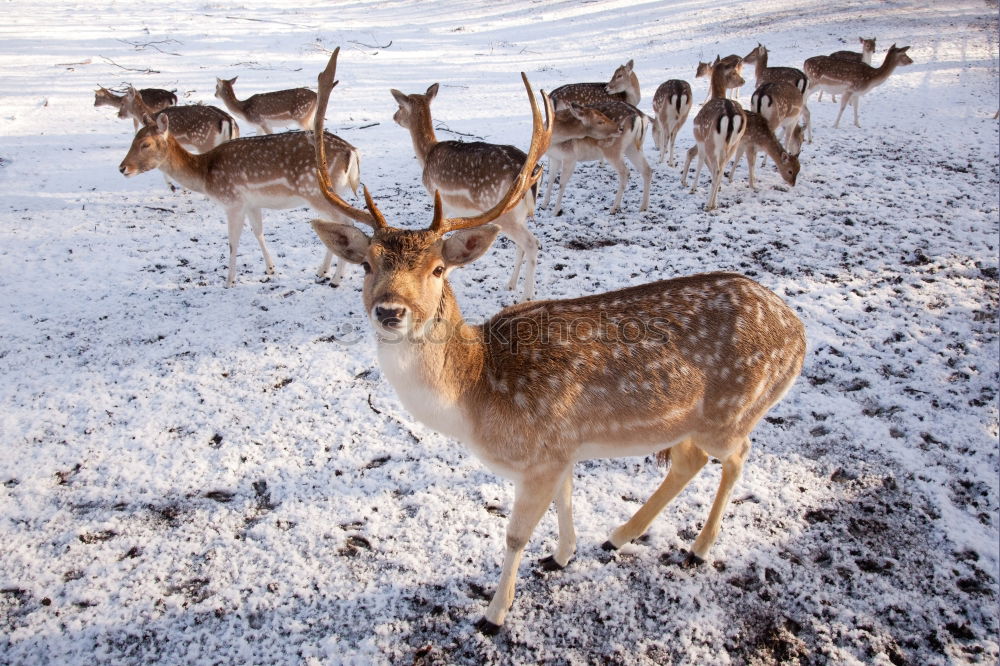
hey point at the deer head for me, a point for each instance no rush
(149, 147)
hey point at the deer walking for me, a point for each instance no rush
(627, 143)
(281, 107)
(850, 79)
(247, 175)
(471, 177)
(684, 367)
(623, 87)
(718, 129)
(867, 51)
(671, 105)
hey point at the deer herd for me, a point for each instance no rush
(683, 368)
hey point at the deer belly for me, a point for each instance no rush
(622, 449)
(276, 194)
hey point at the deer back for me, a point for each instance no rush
(201, 127)
(281, 104)
(777, 101)
(673, 93)
(471, 176)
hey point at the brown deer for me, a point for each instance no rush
(471, 177)
(684, 367)
(281, 107)
(851, 79)
(705, 69)
(626, 143)
(623, 87)
(764, 74)
(867, 51)
(671, 105)
(759, 135)
(782, 104)
(272, 171)
(197, 127)
(155, 99)
(718, 129)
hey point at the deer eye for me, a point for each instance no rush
(368, 267)
(439, 271)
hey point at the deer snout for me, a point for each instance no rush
(390, 316)
(125, 170)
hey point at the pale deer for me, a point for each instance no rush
(246, 175)
(705, 69)
(764, 74)
(623, 87)
(577, 122)
(867, 51)
(718, 129)
(851, 79)
(782, 104)
(197, 127)
(282, 107)
(471, 177)
(671, 105)
(614, 150)
(759, 135)
(156, 99)
(684, 368)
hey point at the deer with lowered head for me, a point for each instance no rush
(759, 135)
(623, 87)
(155, 99)
(249, 174)
(683, 367)
(851, 79)
(671, 105)
(295, 106)
(718, 129)
(614, 149)
(471, 177)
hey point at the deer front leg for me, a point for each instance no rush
(622, 169)
(844, 99)
(234, 220)
(855, 103)
(564, 175)
(554, 164)
(532, 496)
(638, 160)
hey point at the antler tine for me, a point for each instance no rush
(380, 222)
(541, 137)
(326, 84)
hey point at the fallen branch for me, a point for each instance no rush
(257, 20)
(73, 64)
(139, 46)
(130, 69)
(444, 128)
(370, 46)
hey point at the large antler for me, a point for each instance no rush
(541, 136)
(372, 216)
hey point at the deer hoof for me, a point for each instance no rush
(691, 561)
(608, 546)
(487, 628)
(549, 564)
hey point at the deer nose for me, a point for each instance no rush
(123, 169)
(390, 316)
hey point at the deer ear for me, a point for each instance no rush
(467, 245)
(162, 123)
(432, 92)
(401, 99)
(344, 240)
(629, 65)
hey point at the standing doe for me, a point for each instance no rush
(688, 366)
(867, 51)
(156, 99)
(281, 107)
(671, 105)
(273, 171)
(732, 61)
(623, 87)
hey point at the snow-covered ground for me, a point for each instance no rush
(200, 475)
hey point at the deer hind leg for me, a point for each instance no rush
(692, 151)
(234, 219)
(716, 171)
(532, 496)
(638, 160)
(732, 467)
(257, 226)
(740, 151)
(565, 173)
(855, 101)
(554, 165)
(622, 169)
(516, 227)
(686, 460)
(567, 534)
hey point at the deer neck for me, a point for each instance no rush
(188, 169)
(422, 134)
(718, 83)
(228, 97)
(769, 143)
(760, 64)
(566, 127)
(882, 72)
(434, 374)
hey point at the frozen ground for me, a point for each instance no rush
(199, 475)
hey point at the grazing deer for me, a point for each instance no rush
(759, 135)
(273, 171)
(671, 105)
(851, 79)
(684, 368)
(197, 127)
(718, 129)
(614, 149)
(867, 51)
(782, 105)
(282, 107)
(705, 69)
(623, 87)
(156, 99)
(471, 176)
(764, 74)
